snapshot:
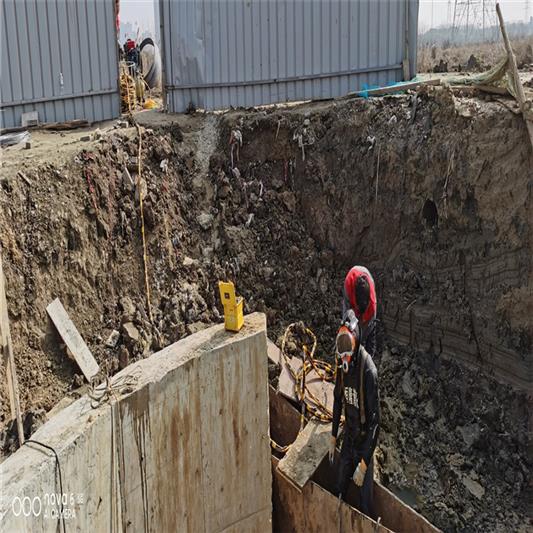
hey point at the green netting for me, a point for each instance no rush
(497, 76)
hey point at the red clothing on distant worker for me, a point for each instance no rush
(349, 290)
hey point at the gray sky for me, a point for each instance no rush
(435, 13)
(432, 12)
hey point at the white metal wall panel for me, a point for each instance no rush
(58, 57)
(221, 53)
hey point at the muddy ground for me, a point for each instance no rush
(432, 192)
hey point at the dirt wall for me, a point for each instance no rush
(437, 204)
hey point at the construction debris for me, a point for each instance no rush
(73, 339)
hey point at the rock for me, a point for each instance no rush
(113, 338)
(289, 200)
(511, 476)
(224, 191)
(133, 163)
(128, 308)
(193, 302)
(470, 434)
(131, 333)
(473, 487)
(208, 252)
(85, 138)
(195, 326)
(407, 385)
(429, 410)
(123, 357)
(205, 220)
(277, 184)
(391, 414)
(326, 258)
(189, 261)
(141, 188)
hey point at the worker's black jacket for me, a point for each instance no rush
(347, 392)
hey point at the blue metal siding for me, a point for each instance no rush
(46, 41)
(221, 53)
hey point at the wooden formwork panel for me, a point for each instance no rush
(235, 431)
(179, 471)
(199, 436)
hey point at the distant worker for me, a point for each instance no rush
(359, 299)
(356, 388)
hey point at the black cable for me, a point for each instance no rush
(61, 510)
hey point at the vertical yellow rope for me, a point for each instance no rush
(145, 256)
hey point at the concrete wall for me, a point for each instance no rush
(187, 450)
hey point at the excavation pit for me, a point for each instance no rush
(455, 338)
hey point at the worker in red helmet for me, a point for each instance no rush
(359, 301)
(356, 389)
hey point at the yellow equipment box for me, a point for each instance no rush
(233, 306)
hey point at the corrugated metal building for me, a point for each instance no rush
(220, 53)
(60, 58)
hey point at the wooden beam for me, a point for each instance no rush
(519, 89)
(382, 91)
(273, 352)
(306, 453)
(8, 359)
(321, 390)
(73, 339)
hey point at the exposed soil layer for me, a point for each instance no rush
(433, 194)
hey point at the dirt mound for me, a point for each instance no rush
(408, 186)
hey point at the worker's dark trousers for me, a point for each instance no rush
(349, 459)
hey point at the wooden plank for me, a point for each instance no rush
(306, 452)
(314, 510)
(382, 91)
(520, 95)
(321, 390)
(178, 472)
(273, 352)
(286, 382)
(73, 339)
(284, 419)
(259, 522)
(8, 358)
(233, 381)
(67, 125)
(406, 519)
